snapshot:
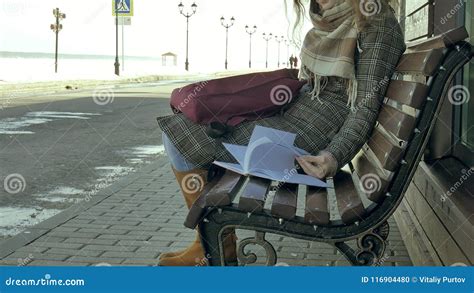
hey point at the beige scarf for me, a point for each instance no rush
(329, 48)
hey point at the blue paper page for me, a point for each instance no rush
(272, 156)
(275, 135)
(302, 152)
(232, 167)
(237, 151)
(262, 144)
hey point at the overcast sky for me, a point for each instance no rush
(157, 27)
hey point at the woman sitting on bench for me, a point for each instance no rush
(348, 58)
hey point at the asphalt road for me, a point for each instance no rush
(56, 150)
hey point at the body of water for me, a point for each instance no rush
(33, 67)
(30, 67)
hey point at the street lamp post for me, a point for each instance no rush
(227, 26)
(56, 28)
(279, 40)
(267, 38)
(187, 15)
(250, 32)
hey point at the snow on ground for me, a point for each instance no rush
(16, 219)
(61, 194)
(16, 125)
(138, 155)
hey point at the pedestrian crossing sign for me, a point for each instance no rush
(122, 7)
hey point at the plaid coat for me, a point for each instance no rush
(327, 124)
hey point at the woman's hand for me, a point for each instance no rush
(321, 166)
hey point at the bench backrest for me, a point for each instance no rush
(412, 102)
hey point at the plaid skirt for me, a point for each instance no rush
(315, 122)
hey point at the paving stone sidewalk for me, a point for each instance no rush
(139, 217)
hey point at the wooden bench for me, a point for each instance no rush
(367, 191)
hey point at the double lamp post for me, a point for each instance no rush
(187, 15)
(250, 32)
(279, 40)
(267, 38)
(227, 25)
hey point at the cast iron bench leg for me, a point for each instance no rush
(211, 240)
(371, 246)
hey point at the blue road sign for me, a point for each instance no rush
(122, 7)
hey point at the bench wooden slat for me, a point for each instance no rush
(421, 62)
(285, 201)
(412, 94)
(443, 40)
(368, 173)
(223, 193)
(316, 208)
(398, 123)
(252, 199)
(386, 152)
(349, 204)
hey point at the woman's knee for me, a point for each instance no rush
(176, 158)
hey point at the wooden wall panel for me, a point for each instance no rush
(444, 245)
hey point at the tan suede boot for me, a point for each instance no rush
(192, 183)
(194, 254)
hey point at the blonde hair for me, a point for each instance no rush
(359, 5)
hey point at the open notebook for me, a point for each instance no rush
(271, 154)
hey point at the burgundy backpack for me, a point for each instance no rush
(226, 102)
